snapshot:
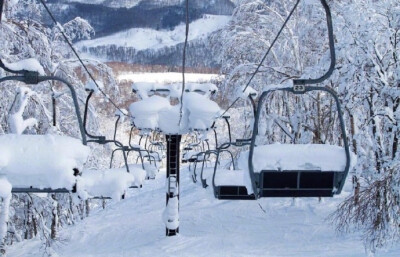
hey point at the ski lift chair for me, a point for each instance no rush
(228, 184)
(298, 182)
(144, 148)
(125, 150)
(102, 139)
(33, 78)
(219, 150)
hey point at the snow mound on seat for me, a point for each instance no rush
(297, 157)
(139, 175)
(104, 183)
(201, 111)
(149, 169)
(145, 113)
(30, 64)
(41, 161)
(225, 177)
(157, 113)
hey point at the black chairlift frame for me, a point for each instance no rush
(300, 183)
(102, 139)
(224, 147)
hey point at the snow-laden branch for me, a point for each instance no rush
(16, 121)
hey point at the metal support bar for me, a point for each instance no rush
(53, 100)
(24, 78)
(328, 73)
(173, 148)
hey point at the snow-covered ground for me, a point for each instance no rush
(166, 77)
(208, 227)
(141, 38)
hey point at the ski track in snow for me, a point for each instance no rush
(208, 227)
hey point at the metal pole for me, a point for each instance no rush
(173, 149)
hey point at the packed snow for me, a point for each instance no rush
(144, 89)
(202, 112)
(206, 88)
(30, 64)
(169, 120)
(41, 161)
(104, 183)
(139, 174)
(142, 38)
(145, 113)
(91, 86)
(16, 121)
(297, 157)
(5, 198)
(192, 154)
(225, 177)
(156, 112)
(244, 92)
(174, 90)
(208, 227)
(171, 213)
(121, 113)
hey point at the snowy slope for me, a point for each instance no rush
(110, 3)
(133, 227)
(166, 77)
(140, 38)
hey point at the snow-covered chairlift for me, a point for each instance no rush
(125, 150)
(230, 184)
(325, 179)
(52, 163)
(311, 170)
(45, 156)
(221, 149)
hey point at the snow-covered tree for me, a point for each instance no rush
(24, 36)
(366, 78)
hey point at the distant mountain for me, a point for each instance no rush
(164, 47)
(132, 3)
(147, 31)
(110, 16)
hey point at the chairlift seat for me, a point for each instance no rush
(298, 170)
(107, 183)
(41, 162)
(233, 185)
(298, 183)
